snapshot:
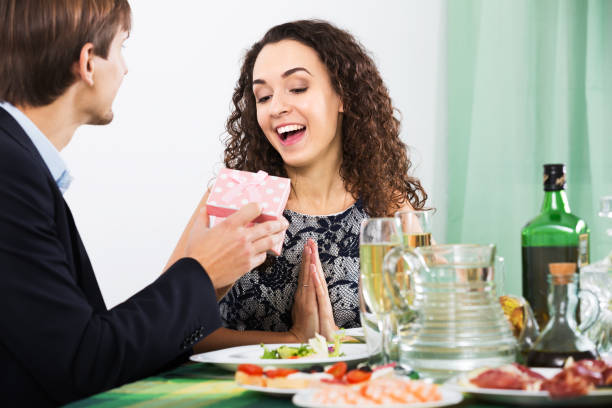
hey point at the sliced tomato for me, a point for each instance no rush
(337, 370)
(280, 372)
(357, 376)
(250, 369)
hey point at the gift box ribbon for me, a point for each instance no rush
(248, 185)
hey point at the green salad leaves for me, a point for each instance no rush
(317, 347)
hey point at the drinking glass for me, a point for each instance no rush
(415, 226)
(377, 237)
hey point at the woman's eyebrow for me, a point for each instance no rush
(284, 75)
(294, 70)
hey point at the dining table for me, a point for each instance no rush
(199, 385)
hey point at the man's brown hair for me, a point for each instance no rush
(41, 39)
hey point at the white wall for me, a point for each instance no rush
(138, 180)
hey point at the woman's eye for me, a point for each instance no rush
(263, 99)
(299, 90)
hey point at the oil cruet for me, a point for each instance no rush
(562, 338)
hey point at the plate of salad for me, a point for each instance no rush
(316, 351)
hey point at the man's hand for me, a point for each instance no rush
(235, 246)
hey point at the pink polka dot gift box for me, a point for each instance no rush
(234, 189)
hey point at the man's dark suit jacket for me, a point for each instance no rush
(58, 341)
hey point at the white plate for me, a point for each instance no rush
(304, 398)
(230, 358)
(355, 332)
(275, 392)
(532, 398)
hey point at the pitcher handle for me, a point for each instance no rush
(592, 318)
(499, 277)
(400, 289)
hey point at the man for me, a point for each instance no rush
(60, 67)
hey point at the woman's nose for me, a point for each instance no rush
(279, 105)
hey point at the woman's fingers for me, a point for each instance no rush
(317, 261)
(307, 283)
(306, 255)
(305, 309)
(323, 303)
(327, 326)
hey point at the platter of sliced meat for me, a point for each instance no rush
(581, 383)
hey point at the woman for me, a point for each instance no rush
(310, 105)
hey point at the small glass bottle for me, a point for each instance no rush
(561, 338)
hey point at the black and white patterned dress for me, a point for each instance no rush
(262, 299)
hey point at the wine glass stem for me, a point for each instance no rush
(386, 339)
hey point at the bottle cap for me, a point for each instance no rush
(605, 206)
(554, 177)
(562, 272)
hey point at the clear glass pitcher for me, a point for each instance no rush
(448, 314)
(597, 278)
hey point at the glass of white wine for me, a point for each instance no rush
(416, 227)
(377, 237)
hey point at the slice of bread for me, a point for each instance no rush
(246, 379)
(294, 381)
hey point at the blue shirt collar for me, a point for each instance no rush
(47, 151)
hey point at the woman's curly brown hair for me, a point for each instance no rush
(375, 162)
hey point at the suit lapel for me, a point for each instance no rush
(16, 132)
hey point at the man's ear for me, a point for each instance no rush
(84, 67)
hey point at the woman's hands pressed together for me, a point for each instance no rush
(312, 311)
(304, 313)
(327, 326)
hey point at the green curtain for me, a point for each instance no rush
(529, 82)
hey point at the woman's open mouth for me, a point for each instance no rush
(290, 134)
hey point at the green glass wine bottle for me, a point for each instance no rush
(555, 235)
